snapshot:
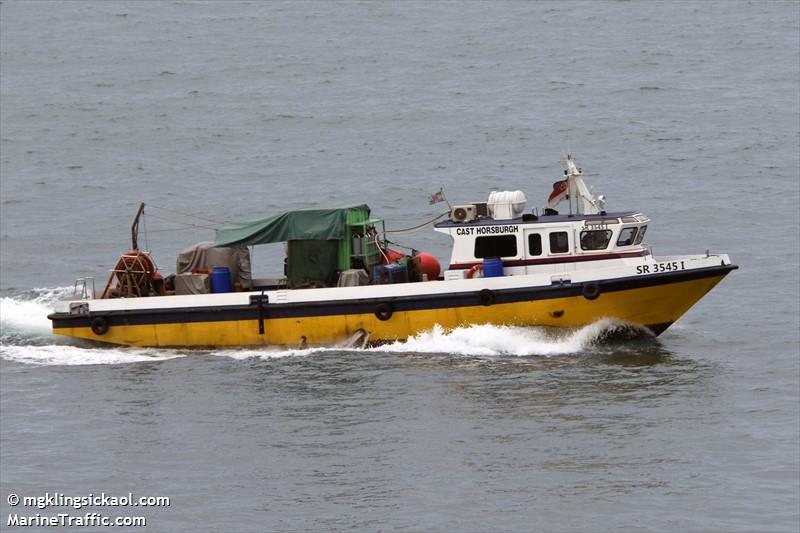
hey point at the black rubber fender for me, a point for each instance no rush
(591, 291)
(99, 325)
(486, 297)
(384, 311)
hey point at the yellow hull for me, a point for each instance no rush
(654, 306)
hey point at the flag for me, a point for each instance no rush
(560, 190)
(437, 197)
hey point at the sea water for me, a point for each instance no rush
(211, 112)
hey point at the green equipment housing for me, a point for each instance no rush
(320, 242)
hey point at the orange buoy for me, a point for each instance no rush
(429, 266)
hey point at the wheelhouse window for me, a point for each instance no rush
(640, 236)
(626, 236)
(596, 239)
(559, 242)
(496, 246)
(534, 244)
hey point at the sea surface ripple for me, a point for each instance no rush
(689, 112)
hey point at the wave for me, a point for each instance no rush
(486, 340)
(496, 341)
(26, 312)
(25, 337)
(62, 354)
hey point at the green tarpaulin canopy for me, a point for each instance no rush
(300, 225)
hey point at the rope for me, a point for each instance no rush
(431, 221)
(217, 222)
(187, 224)
(190, 226)
(399, 245)
(378, 246)
(189, 215)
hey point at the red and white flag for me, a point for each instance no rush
(436, 197)
(560, 192)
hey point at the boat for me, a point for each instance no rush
(343, 282)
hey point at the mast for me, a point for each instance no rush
(585, 201)
(135, 228)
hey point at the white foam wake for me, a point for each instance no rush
(493, 341)
(62, 354)
(480, 341)
(276, 353)
(28, 312)
(25, 335)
